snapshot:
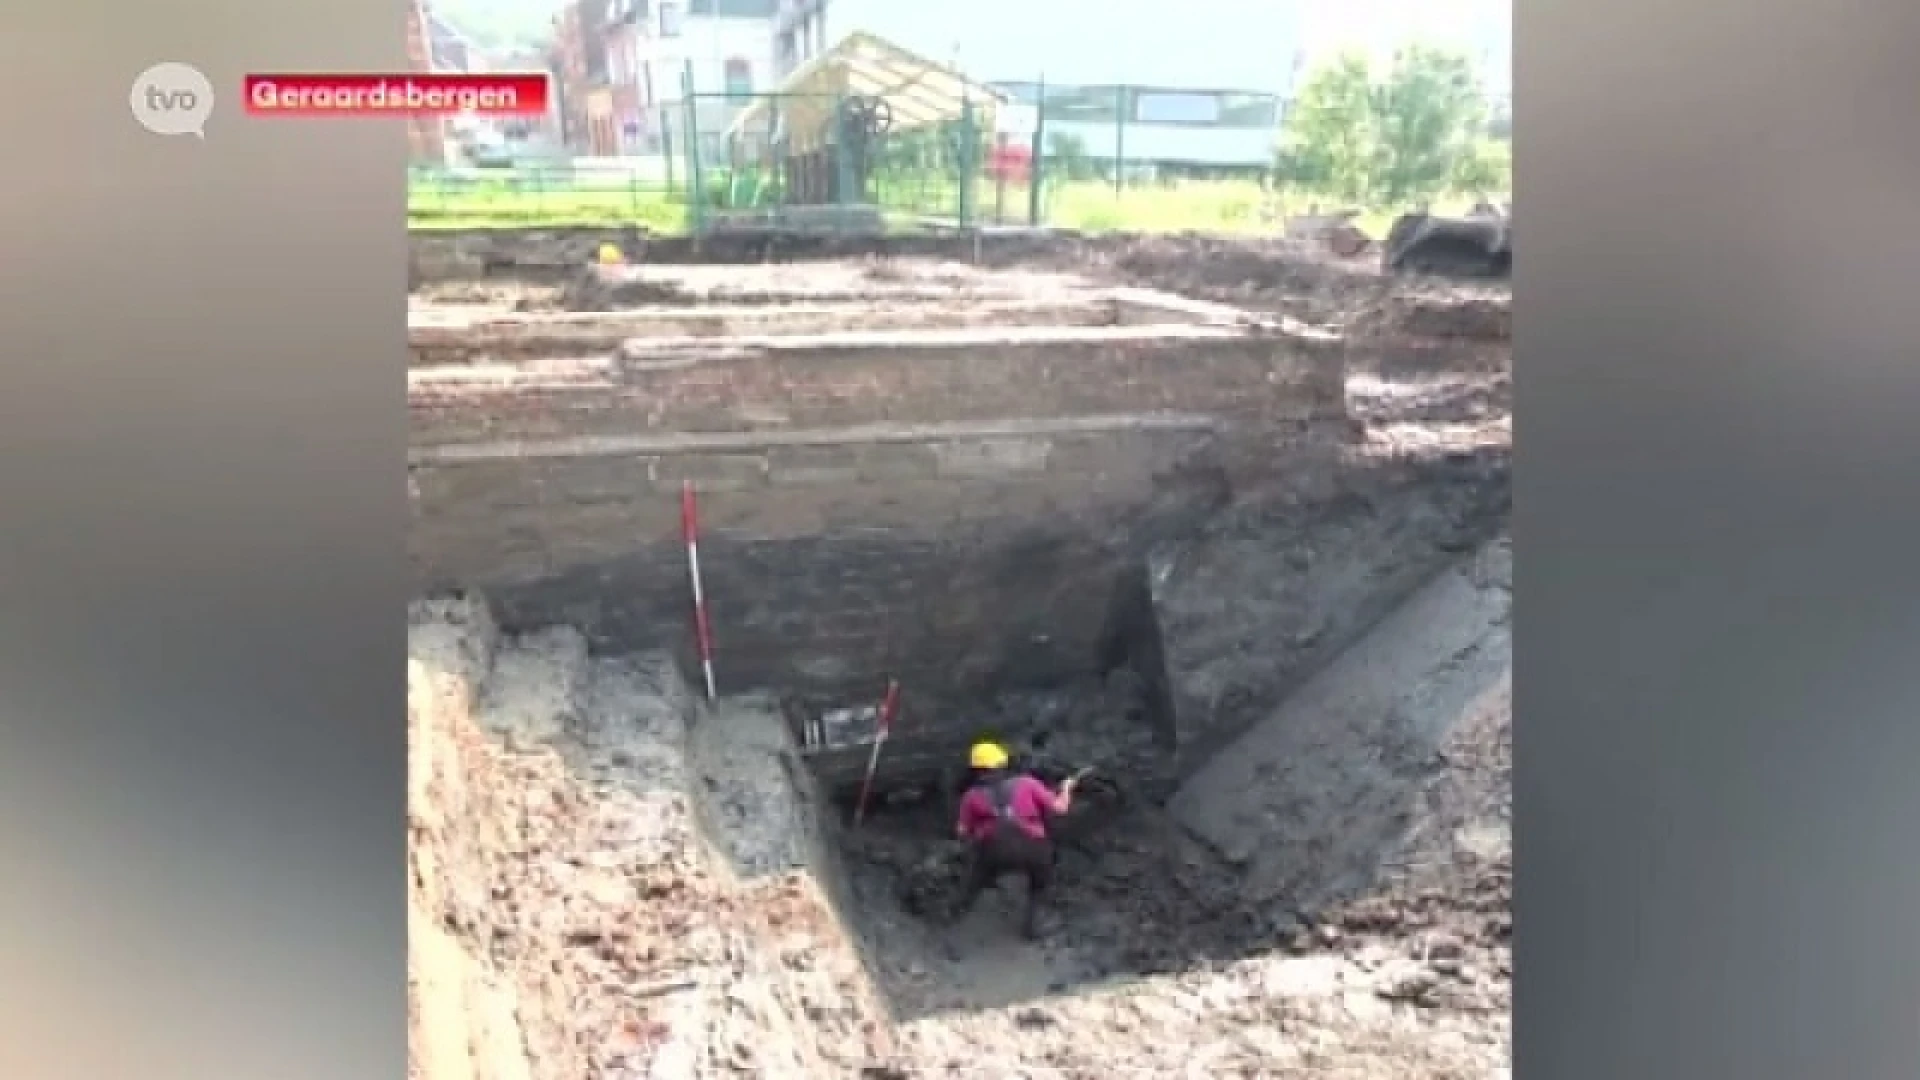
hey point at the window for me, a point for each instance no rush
(1175, 108)
(671, 17)
(739, 78)
(1249, 110)
(1085, 104)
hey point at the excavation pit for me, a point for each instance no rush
(1298, 834)
(633, 307)
(1097, 519)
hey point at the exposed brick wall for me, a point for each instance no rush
(962, 510)
(958, 518)
(464, 254)
(955, 564)
(1265, 381)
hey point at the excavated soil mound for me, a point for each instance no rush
(570, 917)
(594, 290)
(1285, 276)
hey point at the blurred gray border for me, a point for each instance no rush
(202, 777)
(201, 557)
(1718, 623)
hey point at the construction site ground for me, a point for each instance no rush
(614, 879)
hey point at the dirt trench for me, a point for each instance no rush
(611, 879)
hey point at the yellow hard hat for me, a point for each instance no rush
(986, 755)
(610, 255)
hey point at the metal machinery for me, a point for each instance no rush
(840, 169)
(859, 125)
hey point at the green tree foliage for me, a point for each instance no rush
(1485, 169)
(1410, 133)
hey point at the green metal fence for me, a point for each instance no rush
(1085, 160)
(836, 162)
(1149, 158)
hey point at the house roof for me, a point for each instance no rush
(919, 92)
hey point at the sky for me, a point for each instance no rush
(1239, 44)
(1380, 26)
(1245, 44)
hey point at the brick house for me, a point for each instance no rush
(426, 136)
(602, 126)
(587, 123)
(626, 33)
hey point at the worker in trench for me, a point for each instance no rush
(1004, 818)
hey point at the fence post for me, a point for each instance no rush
(1120, 97)
(969, 160)
(1038, 154)
(664, 119)
(696, 181)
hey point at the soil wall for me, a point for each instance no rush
(954, 564)
(465, 254)
(954, 509)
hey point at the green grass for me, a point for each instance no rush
(446, 202)
(1092, 206)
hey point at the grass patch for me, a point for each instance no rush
(452, 202)
(588, 200)
(1196, 207)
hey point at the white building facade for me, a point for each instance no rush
(725, 46)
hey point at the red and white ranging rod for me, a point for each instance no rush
(702, 628)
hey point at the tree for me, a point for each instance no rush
(1486, 169)
(1408, 134)
(1327, 135)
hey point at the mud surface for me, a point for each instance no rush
(1272, 275)
(1385, 955)
(1286, 276)
(611, 879)
(1304, 800)
(601, 892)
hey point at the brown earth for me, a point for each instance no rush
(612, 880)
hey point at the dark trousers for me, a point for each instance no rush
(1010, 850)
